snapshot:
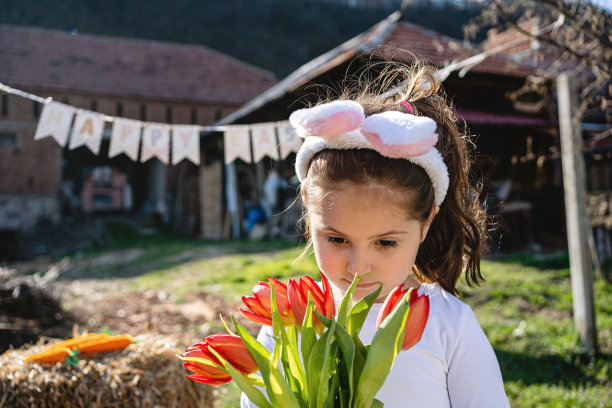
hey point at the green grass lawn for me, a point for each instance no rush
(525, 308)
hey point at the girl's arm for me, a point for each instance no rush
(474, 378)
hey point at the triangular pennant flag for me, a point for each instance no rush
(237, 144)
(185, 143)
(125, 138)
(155, 142)
(55, 121)
(264, 141)
(288, 139)
(87, 130)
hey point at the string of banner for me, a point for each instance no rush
(76, 127)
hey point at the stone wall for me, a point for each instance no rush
(23, 212)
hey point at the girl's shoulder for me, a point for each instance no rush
(443, 303)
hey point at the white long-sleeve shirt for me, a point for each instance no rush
(453, 365)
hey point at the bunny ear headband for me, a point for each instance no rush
(342, 125)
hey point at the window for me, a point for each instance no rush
(8, 139)
(4, 105)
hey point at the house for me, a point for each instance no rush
(139, 79)
(525, 192)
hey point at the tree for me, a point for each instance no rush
(560, 36)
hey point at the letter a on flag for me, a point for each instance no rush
(55, 121)
(264, 141)
(125, 138)
(155, 142)
(87, 130)
(185, 143)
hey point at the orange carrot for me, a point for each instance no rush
(110, 343)
(50, 355)
(91, 343)
(75, 341)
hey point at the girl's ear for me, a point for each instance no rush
(428, 222)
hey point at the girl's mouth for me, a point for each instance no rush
(370, 285)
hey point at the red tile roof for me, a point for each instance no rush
(408, 40)
(41, 59)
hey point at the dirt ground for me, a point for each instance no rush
(58, 301)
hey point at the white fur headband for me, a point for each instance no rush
(343, 125)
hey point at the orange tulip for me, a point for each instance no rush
(260, 303)
(231, 348)
(323, 300)
(417, 316)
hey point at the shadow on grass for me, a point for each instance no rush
(128, 252)
(545, 369)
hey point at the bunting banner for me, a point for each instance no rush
(264, 141)
(155, 142)
(289, 140)
(87, 130)
(185, 143)
(125, 138)
(55, 121)
(237, 143)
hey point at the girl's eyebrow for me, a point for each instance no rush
(392, 232)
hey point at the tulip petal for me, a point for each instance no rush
(211, 381)
(416, 321)
(329, 305)
(255, 317)
(390, 302)
(296, 301)
(254, 304)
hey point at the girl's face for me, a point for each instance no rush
(359, 230)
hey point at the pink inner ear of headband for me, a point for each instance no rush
(407, 105)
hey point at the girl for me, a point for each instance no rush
(387, 195)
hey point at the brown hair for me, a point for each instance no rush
(457, 235)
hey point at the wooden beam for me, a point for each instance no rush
(577, 218)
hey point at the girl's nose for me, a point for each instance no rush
(358, 263)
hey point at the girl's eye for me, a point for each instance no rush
(336, 240)
(386, 243)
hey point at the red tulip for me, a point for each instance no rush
(260, 303)
(417, 316)
(323, 300)
(231, 348)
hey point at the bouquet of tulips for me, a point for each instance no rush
(318, 359)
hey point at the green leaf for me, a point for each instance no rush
(329, 365)
(347, 347)
(282, 345)
(255, 395)
(377, 404)
(278, 390)
(359, 312)
(385, 346)
(308, 334)
(343, 306)
(315, 366)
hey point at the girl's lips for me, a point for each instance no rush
(364, 285)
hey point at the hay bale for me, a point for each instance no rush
(145, 375)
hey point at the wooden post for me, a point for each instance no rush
(577, 218)
(231, 191)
